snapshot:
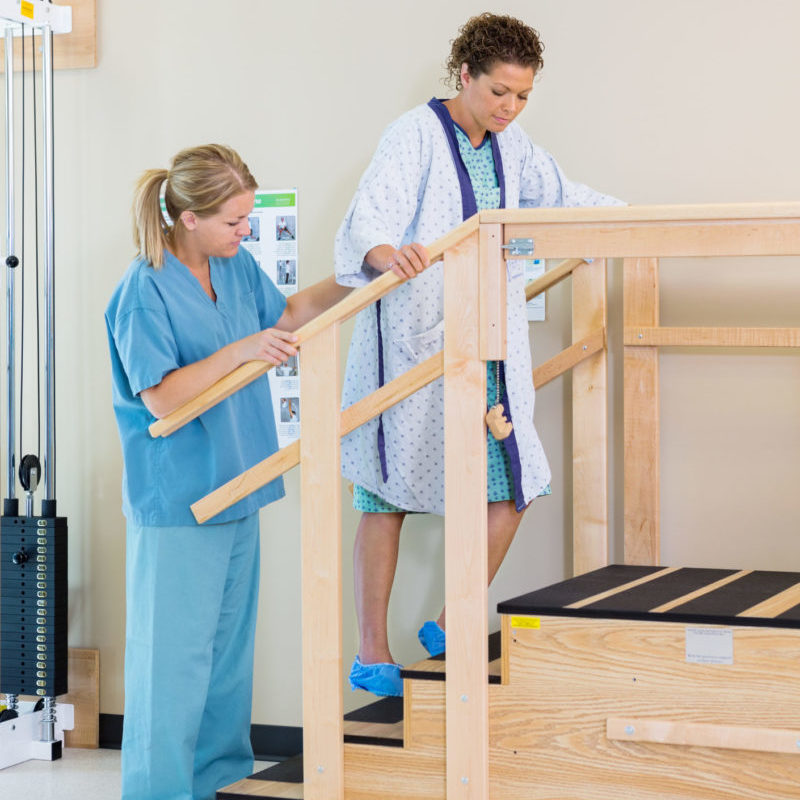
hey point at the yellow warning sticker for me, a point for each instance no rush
(525, 622)
(26, 9)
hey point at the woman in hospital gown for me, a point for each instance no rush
(434, 167)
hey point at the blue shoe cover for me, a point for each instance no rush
(432, 638)
(381, 679)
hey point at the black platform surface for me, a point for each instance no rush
(427, 675)
(721, 605)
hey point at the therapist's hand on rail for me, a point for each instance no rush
(271, 345)
(406, 262)
(185, 383)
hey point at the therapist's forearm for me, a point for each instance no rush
(185, 383)
(308, 303)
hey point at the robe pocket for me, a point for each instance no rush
(422, 345)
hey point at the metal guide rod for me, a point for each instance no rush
(49, 260)
(10, 222)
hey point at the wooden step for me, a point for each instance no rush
(278, 782)
(379, 723)
(435, 667)
(692, 595)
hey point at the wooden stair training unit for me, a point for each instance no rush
(628, 681)
(474, 264)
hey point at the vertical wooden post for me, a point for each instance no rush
(323, 748)
(589, 423)
(466, 560)
(492, 299)
(642, 524)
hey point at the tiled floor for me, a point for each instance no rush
(79, 775)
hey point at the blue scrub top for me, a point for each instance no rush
(157, 321)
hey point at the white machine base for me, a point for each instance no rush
(20, 738)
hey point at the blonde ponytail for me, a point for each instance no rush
(200, 179)
(150, 229)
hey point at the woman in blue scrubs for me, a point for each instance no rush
(191, 308)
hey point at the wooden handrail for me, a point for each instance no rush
(368, 408)
(287, 457)
(702, 212)
(552, 277)
(343, 310)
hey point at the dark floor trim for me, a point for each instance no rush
(270, 742)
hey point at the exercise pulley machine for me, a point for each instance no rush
(33, 549)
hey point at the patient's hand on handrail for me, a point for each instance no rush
(406, 262)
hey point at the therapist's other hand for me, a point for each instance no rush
(271, 345)
(406, 262)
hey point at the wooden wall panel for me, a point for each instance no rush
(75, 50)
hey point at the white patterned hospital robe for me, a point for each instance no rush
(410, 192)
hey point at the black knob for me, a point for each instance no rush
(20, 558)
(12, 261)
(29, 472)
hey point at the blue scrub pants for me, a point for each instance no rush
(192, 593)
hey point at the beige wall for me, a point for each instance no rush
(681, 102)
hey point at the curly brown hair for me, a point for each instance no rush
(489, 38)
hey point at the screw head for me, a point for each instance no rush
(630, 730)
(464, 698)
(465, 780)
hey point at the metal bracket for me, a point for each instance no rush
(36, 14)
(519, 247)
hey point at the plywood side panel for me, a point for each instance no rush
(548, 728)
(379, 773)
(425, 716)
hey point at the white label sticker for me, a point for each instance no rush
(709, 645)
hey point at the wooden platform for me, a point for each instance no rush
(638, 682)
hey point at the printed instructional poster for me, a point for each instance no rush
(273, 244)
(534, 268)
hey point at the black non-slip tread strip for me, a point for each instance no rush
(379, 741)
(652, 594)
(573, 590)
(790, 615)
(495, 648)
(422, 675)
(289, 771)
(387, 710)
(718, 607)
(739, 595)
